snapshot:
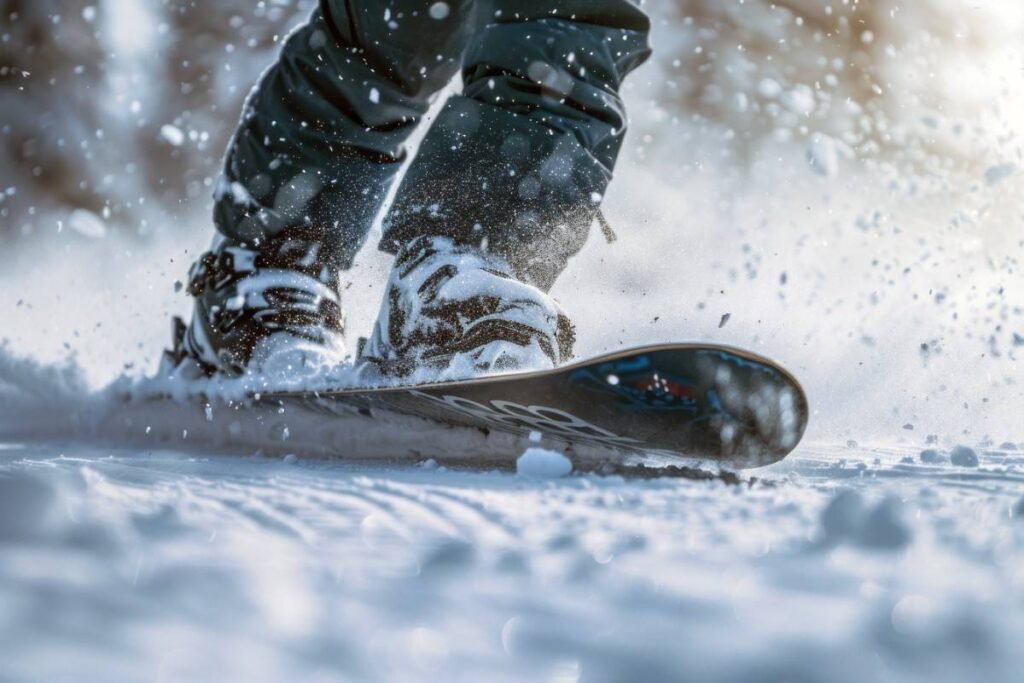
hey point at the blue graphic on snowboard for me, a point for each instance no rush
(638, 384)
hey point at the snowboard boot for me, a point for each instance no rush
(275, 310)
(456, 311)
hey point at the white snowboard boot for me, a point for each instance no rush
(454, 311)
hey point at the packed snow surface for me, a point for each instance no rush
(155, 547)
(841, 564)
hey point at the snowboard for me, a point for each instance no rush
(670, 403)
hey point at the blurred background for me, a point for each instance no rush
(840, 177)
(116, 110)
(114, 105)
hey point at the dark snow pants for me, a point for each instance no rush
(520, 159)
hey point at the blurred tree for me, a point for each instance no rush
(113, 107)
(125, 108)
(52, 141)
(213, 53)
(881, 80)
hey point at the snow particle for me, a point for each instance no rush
(769, 88)
(439, 10)
(800, 100)
(542, 463)
(724, 320)
(172, 135)
(999, 173)
(962, 456)
(87, 224)
(823, 156)
(318, 40)
(550, 77)
(375, 95)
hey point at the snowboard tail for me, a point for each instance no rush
(681, 401)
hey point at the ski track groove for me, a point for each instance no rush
(465, 519)
(237, 503)
(265, 516)
(412, 506)
(350, 502)
(365, 509)
(469, 510)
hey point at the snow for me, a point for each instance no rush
(87, 224)
(167, 563)
(847, 518)
(172, 134)
(189, 558)
(963, 456)
(823, 156)
(439, 10)
(543, 464)
(865, 236)
(999, 173)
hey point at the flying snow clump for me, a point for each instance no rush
(172, 135)
(439, 10)
(87, 224)
(542, 463)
